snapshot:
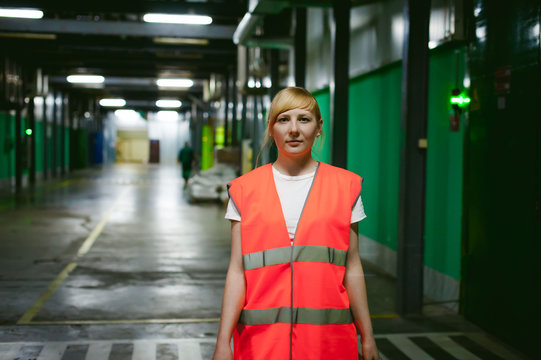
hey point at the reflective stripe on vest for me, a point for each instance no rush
(300, 253)
(300, 316)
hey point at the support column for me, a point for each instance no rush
(54, 124)
(255, 130)
(32, 139)
(45, 140)
(18, 150)
(195, 127)
(244, 70)
(274, 71)
(234, 125)
(275, 87)
(243, 129)
(413, 158)
(63, 135)
(226, 110)
(71, 125)
(300, 46)
(339, 84)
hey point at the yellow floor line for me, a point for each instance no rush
(87, 244)
(85, 247)
(38, 304)
(64, 183)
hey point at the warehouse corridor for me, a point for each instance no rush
(121, 126)
(115, 263)
(126, 246)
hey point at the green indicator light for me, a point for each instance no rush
(28, 131)
(460, 100)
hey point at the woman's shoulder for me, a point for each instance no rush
(252, 175)
(340, 172)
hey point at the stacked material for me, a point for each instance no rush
(211, 184)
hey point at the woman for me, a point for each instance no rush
(295, 286)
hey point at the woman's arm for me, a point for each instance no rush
(234, 294)
(356, 289)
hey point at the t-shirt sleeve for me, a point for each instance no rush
(232, 213)
(357, 214)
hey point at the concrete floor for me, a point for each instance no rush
(116, 264)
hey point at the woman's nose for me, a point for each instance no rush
(293, 128)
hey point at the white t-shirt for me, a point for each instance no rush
(292, 191)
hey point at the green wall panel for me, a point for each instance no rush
(373, 149)
(49, 133)
(443, 212)
(374, 134)
(58, 154)
(38, 138)
(25, 146)
(7, 143)
(67, 147)
(321, 150)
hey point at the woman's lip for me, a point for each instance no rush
(294, 141)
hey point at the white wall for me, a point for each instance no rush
(376, 36)
(172, 133)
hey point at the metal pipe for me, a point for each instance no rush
(245, 28)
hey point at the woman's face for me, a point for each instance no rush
(295, 130)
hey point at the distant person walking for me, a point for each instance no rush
(185, 158)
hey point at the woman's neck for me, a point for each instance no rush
(294, 166)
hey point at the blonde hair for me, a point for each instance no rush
(287, 99)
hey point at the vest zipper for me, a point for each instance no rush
(291, 292)
(291, 264)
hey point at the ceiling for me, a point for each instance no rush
(109, 38)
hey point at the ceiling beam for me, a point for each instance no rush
(226, 8)
(192, 74)
(124, 28)
(33, 46)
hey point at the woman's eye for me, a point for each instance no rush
(305, 119)
(282, 119)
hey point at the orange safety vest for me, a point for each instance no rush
(296, 304)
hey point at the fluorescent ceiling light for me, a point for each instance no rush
(167, 115)
(38, 100)
(168, 103)
(176, 83)
(113, 102)
(126, 113)
(85, 79)
(177, 19)
(180, 41)
(21, 13)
